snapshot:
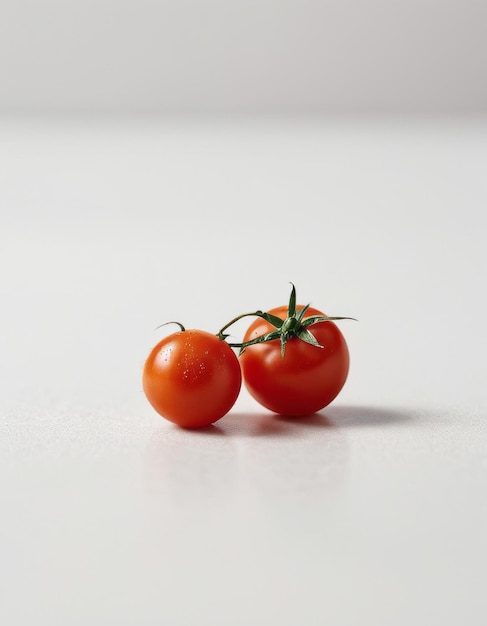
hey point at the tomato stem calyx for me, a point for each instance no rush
(293, 326)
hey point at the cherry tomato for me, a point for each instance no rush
(306, 378)
(192, 378)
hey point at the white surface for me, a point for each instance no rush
(373, 512)
(243, 55)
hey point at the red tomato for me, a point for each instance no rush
(306, 378)
(192, 378)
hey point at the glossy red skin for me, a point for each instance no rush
(192, 378)
(306, 379)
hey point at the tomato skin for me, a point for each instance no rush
(306, 379)
(192, 378)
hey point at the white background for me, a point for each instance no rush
(112, 222)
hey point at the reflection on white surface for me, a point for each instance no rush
(265, 458)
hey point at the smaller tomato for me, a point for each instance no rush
(192, 378)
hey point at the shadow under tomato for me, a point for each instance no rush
(353, 416)
(213, 430)
(268, 424)
(237, 423)
(253, 425)
(315, 420)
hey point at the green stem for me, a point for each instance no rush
(242, 345)
(294, 325)
(260, 339)
(221, 334)
(177, 323)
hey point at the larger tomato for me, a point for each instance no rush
(192, 378)
(306, 378)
